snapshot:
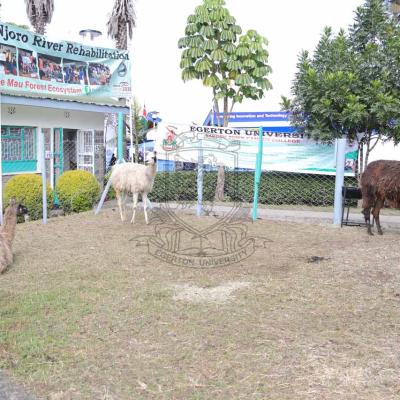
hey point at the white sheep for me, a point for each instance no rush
(136, 179)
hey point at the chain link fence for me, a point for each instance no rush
(276, 188)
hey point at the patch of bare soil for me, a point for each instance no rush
(217, 294)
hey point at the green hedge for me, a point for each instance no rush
(77, 191)
(276, 188)
(27, 189)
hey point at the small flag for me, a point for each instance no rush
(144, 111)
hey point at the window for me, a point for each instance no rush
(18, 149)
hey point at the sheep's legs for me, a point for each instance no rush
(367, 211)
(375, 213)
(135, 201)
(121, 203)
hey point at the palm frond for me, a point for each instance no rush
(40, 13)
(122, 21)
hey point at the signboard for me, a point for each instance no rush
(31, 63)
(247, 117)
(284, 149)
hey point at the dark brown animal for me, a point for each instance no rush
(380, 182)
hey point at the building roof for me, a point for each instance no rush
(108, 105)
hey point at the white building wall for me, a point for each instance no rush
(50, 118)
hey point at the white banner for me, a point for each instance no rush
(237, 148)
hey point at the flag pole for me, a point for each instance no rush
(131, 127)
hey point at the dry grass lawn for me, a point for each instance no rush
(84, 314)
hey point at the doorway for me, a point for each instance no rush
(78, 150)
(68, 149)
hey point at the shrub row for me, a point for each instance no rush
(275, 187)
(76, 191)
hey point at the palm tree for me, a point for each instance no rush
(121, 23)
(39, 13)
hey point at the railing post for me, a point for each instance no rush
(200, 179)
(339, 181)
(42, 149)
(120, 149)
(257, 172)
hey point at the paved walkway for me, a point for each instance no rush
(306, 216)
(9, 390)
(388, 221)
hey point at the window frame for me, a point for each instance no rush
(25, 164)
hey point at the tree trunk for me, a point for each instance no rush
(361, 161)
(219, 191)
(226, 116)
(122, 39)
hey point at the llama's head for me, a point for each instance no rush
(19, 208)
(152, 158)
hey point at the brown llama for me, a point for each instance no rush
(7, 233)
(380, 182)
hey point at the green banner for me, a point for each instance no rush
(31, 63)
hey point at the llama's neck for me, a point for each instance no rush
(10, 221)
(152, 168)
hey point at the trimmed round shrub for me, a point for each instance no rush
(77, 191)
(27, 190)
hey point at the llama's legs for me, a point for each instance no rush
(375, 213)
(135, 197)
(120, 201)
(124, 196)
(367, 212)
(144, 201)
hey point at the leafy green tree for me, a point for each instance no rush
(350, 86)
(40, 13)
(235, 66)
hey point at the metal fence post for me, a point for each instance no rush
(120, 149)
(339, 181)
(257, 172)
(200, 177)
(42, 149)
